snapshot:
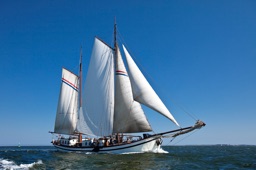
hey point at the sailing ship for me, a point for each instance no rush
(107, 116)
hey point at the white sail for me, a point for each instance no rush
(128, 115)
(143, 92)
(66, 116)
(81, 126)
(98, 100)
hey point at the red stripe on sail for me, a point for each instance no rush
(70, 83)
(119, 71)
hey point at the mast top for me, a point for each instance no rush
(115, 43)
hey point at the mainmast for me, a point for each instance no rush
(80, 92)
(80, 79)
(115, 42)
(115, 51)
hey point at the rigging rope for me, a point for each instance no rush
(184, 137)
(193, 116)
(171, 140)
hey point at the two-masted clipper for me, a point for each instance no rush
(110, 112)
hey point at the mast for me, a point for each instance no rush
(115, 43)
(115, 56)
(80, 90)
(80, 79)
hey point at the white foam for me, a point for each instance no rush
(7, 164)
(88, 153)
(159, 150)
(156, 150)
(127, 153)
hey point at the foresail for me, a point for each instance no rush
(98, 100)
(142, 90)
(66, 116)
(128, 115)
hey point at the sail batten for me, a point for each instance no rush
(142, 90)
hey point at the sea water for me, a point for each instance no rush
(171, 157)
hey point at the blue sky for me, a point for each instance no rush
(200, 56)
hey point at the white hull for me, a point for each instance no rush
(146, 145)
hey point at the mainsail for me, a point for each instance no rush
(98, 100)
(66, 116)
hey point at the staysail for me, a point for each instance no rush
(128, 114)
(142, 90)
(66, 116)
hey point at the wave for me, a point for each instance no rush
(7, 164)
(157, 150)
